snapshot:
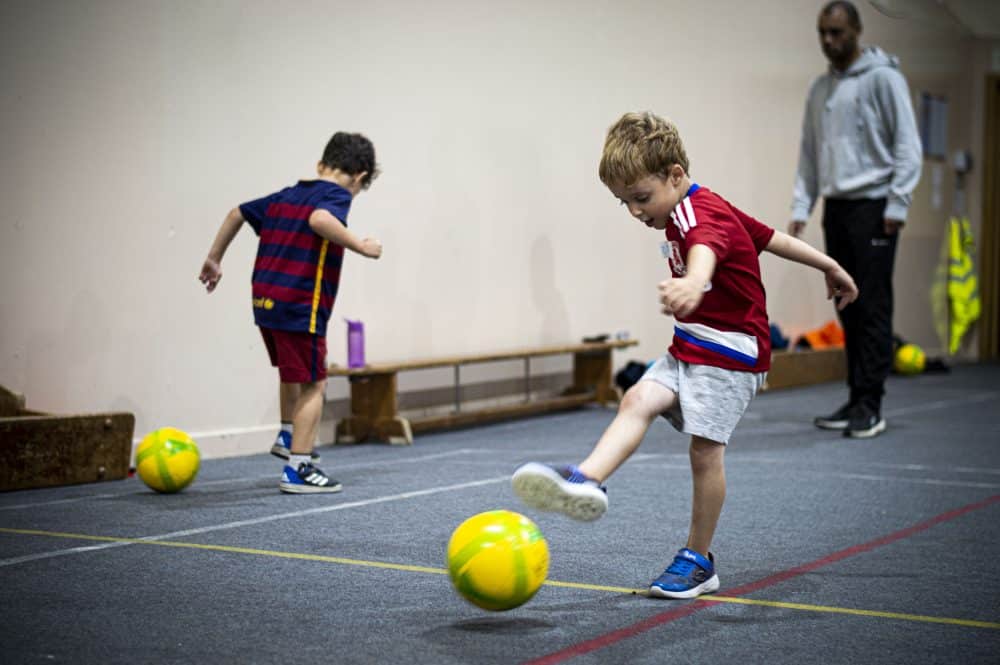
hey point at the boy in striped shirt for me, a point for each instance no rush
(720, 352)
(303, 233)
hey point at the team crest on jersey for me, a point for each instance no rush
(671, 250)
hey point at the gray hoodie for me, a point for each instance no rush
(859, 138)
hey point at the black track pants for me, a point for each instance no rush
(854, 232)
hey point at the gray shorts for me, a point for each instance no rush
(710, 400)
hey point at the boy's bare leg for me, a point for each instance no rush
(708, 475)
(288, 396)
(639, 407)
(306, 415)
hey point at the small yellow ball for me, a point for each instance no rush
(910, 359)
(497, 560)
(167, 460)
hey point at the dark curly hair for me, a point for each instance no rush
(352, 154)
(853, 17)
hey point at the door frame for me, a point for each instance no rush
(989, 254)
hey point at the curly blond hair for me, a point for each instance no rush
(639, 145)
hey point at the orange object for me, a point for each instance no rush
(830, 336)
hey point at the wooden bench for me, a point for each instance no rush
(45, 450)
(374, 399)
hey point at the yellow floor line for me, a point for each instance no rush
(848, 610)
(570, 585)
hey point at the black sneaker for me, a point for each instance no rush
(864, 423)
(307, 479)
(836, 420)
(560, 489)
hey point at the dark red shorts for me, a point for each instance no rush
(299, 356)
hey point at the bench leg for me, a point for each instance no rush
(396, 431)
(592, 371)
(374, 412)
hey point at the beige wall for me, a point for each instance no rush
(130, 128)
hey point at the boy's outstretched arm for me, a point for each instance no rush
(331, 228)
(839, 284)
(211, 270)
(681, 295)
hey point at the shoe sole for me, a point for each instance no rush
(711, 585)
(830, 424)
(289, 488)
(281, 452)
(874, 430)
(543, 488)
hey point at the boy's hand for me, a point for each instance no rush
(211, 273)
(371, 248)
(840, 287)
(680, 296)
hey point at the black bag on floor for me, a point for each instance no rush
(629, 375)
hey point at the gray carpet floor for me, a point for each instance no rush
(829, 550)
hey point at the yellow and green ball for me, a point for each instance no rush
(498, 559)
(909, 359)
(167, 460)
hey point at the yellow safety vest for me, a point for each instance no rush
(963, 289)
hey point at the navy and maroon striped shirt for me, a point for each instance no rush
(297, 272)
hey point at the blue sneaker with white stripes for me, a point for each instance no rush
(307, 479)
(560, 489)
(689, 576)
(283, 444)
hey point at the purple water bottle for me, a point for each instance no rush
(355, 343)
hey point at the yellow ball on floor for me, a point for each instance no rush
(498, 559)
(167, 460)
(909, 359)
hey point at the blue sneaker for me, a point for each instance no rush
(307, 479)
(283, 444)
(690, 575)
(560, 489)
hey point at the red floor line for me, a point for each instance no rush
(608, 639)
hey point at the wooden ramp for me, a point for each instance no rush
(46, 450)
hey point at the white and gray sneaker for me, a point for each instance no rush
(864, 423)
(837, 420)
(560, 489)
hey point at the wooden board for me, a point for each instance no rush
(495, 413)
(49, 451)
(11, 403)
(805, 368)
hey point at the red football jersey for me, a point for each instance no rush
(729, 328)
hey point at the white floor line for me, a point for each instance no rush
(898, 479)
(644, 457)
(257, 520)
(230, 481)
(350, 467)
(75, 499)
(777, 427)
(738, 459)
(965, 469)
(940, 404)
(873, 477)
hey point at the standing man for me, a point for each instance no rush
(861, 152)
